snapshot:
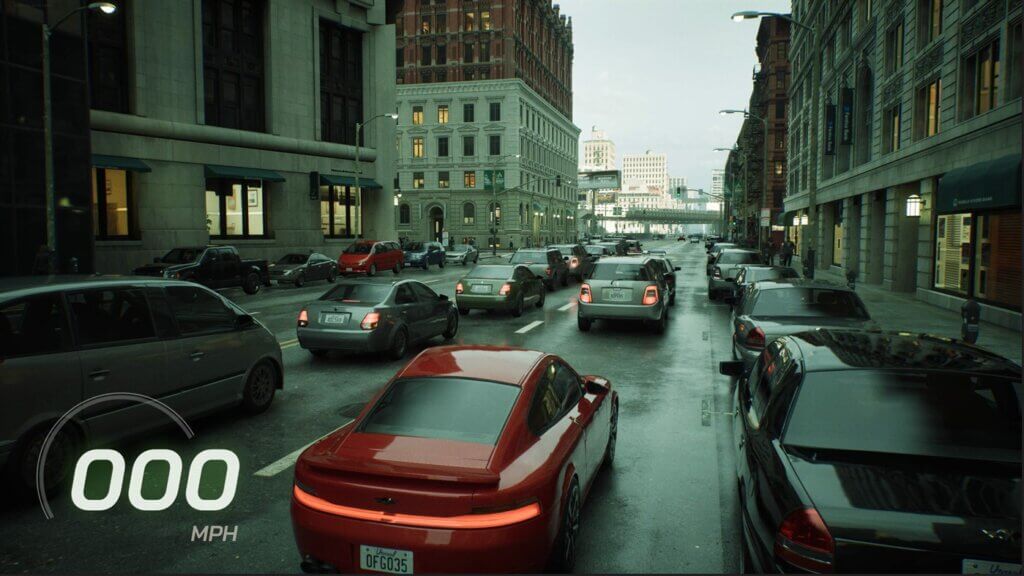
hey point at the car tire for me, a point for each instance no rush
(300, 280)
(517, 308)
(672, 299)
(584, 324)
(332, 275)
(63, 453)
(541, 298)
(464, 261)
(441, 264)
(318, 352)
(745, 566)
(425, 266)
(613, 434)
(397, 269)
(565, 280)
(259, 388)
(712, 295)
(399, 344)
(251, 284)
(661, 324)
(464, 311)
(568, 533)
(453, 326)
(372, 271)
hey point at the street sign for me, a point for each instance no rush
(604, 180)
(499, 177)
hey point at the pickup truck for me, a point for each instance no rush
(211, 266)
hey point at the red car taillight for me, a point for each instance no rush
(717, 272)
(458, 288)
(505, 289)
(804, 541)
(650, 295)
(548, 271)
(585, 296)
(303, 319)
(755, 338)
(370, 321)
(574, 262)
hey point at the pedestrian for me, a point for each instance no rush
(511, 245)
(43, 265)
(788, 248)
(773, 249)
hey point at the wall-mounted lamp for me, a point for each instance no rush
(914, 205)
(804, 220)
(796, 220)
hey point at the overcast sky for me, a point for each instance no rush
(653, 74)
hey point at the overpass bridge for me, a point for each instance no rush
(643, 219)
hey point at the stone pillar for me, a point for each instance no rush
(864, 244)
(891, 237)
(925, 234)
(851, 234)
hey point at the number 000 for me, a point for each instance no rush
(195, 473)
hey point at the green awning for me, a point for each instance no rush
(120, 163)
(537, 207)
(346, 180)
(237, 173)
(981, 186)
(785, 218)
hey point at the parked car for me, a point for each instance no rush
(465, 450)
(546, 263)
(624, 288)
(633, 246)
(715, 250)
(878, 452)
(710, 241)
(462, 254)
(681, 238)
(212, 266)
(65, 339)
(668, 270)
(370, 256)
(357, 315)
(773, 309)
(694, 238)
(423, 254)
(298, 268)
(617, 247)
(750, 274)
(500, 287)
(580, 261)
(725, 268)
(598, 251)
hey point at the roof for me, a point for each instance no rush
(728, 250)
(624, 259)
(494, 363)
(835, 349)
(18, 286)
(800, 283)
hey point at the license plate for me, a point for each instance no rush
(385, 560)
(348, 269)
(617, 294)
(329, 318)
(986, 567)
(480, 288)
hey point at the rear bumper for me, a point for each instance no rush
(348, 340)
(720, 285)
(334, 540)
(483, 302)
(619, 311)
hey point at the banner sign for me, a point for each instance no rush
(499, 179)
(846, 117)
(830, 129)
(604, 180)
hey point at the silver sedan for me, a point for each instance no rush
(626, 288)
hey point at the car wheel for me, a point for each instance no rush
(565, 279)
(332, 276)
(517, 308)
(565, 558)
(425, 265)
(60, 457)
(464, 311)
(259, 388)
(453, 326)
(399, 344)
(712, 295)
(441, 264)
(672, 299)
(372, 271)
(251, 285)
(318, 352)
(584, 323)
(464, 261)
(745, 566)
(613, 435)
(540, 300)
(300, 280)
(662, 323)
(397, 269)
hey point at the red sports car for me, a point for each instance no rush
(471, 459)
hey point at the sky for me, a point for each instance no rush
(653, 74)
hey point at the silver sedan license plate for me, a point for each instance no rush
(387, 560)
(617, 294)
(335, 318)
(480, 288)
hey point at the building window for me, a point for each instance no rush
(233, 63)
(953, 252)
(341, 82)
(469, 179)
(442, 146)
(399, 57)
(467, 113)
(981, 80)
(468, 146)
(485, 51)
(425, 56)
(780, 167)
(927, 109)
(441, 26)
(442, 114)
(442, 54)
(997, 258)
(485, 20)
(495, 111)
(443, 181)
(417, 147)
(417, 115)
(894, 48)
(468, 213)
(341, 213)
(235, 208)
(469, 21)
(467, 53)
(441, 75)
(425, 25)
(113, 210)
(891, 132)
(780, 109)
(929, 21)
(108, 60)
(404, 214)
(1016, 34)
(495, 144)
(417, 180)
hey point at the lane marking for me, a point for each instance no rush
(567, 306)
(286, 462)
(529, 327)
(289, 343)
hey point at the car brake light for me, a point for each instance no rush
(505, 289)
(303, 319)
(458, 288)
(755, 338)
(585, 296)
(548, 271)
(574, 262)
(650, 295)
(370, 321)
(717, 273)
(804, 541)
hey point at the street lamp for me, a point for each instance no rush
(764, 162)
(47, 32)
(359, 129)
(494, 202)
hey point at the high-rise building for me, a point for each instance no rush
(717, 181)
(487, 148)
(649, 168)
(598, 152)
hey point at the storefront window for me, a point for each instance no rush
(953, 252)
(340, 212)
(112, 216)
(235, 208)
(837, 234)
(997, 258)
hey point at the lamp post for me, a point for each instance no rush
(764, 161)
(494, 202)
(359, 129)
(47, 32)
(809, 239)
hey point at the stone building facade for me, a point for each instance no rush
(919, 146)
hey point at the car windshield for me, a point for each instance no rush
(739, 258)
(720, 247)
(523, 257)
(613, 271)
(491, 272)
(362, 293)
(760, 275)
(461, 248)
(358, 248)
(809, 303)
(598, 250)
(181, 255)
(415, 247)
(293, 259)
(940, 414)
(443, 408)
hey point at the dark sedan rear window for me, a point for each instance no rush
(443, 408)
(534, 257)
(940, 414)
(612, 271)
(491, 272)
(738, 258)
(364, 293)
(755, 275)
(809, 303)
(293, 259)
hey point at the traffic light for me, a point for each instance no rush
(558, 181)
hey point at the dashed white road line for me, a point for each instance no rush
(529, 327)
(289, 343)
(282, 464)
(567, 306)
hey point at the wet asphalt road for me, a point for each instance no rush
(668, 505)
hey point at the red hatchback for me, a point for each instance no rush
(471, 459)
(369, 256)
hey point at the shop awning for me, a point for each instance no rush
(238, 173)
(347, 180)
(120, 163)
(981, 186)
(537, 207)
(785, 218)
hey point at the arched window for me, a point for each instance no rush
(468, 213)
(403, 214)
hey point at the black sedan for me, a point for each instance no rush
(878, 452)
(299, 268)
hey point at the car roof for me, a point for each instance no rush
(19, 286)
(835, 349)
(495, 363)
(638, 258)
(728, 250)
(800, 283)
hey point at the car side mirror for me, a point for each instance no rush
(677, 268)
(442, 297)
(243, 321)
(596, 384)
(732, 368)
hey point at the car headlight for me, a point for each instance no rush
(289, 272)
